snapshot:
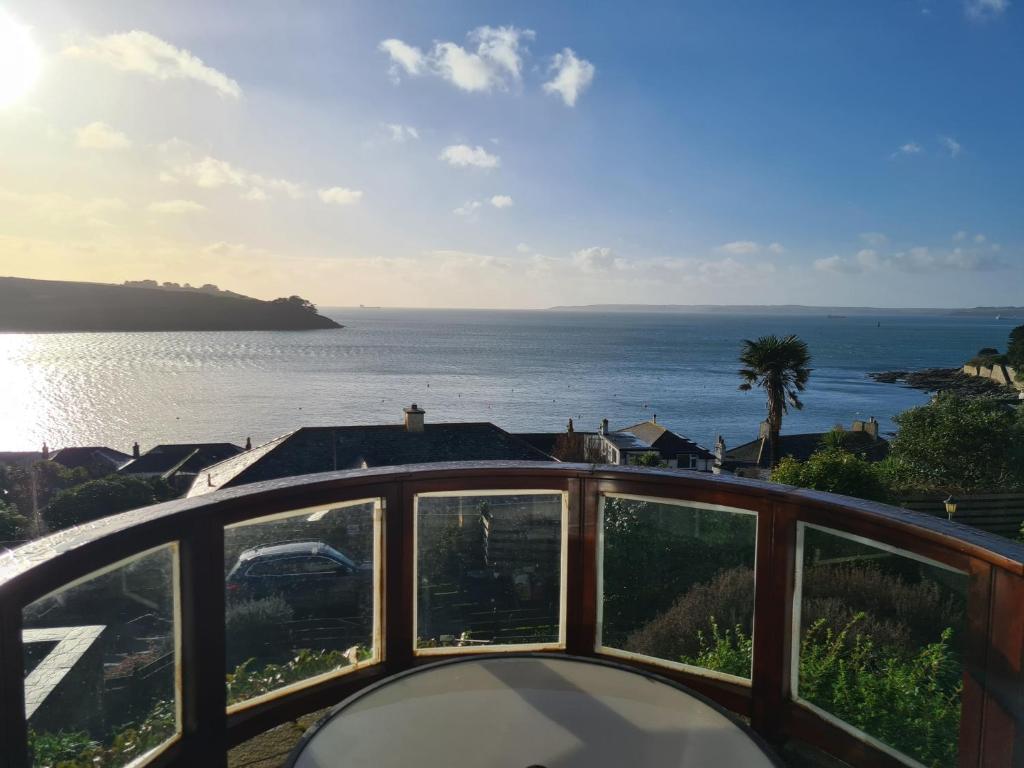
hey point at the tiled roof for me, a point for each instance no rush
(84, 456)
(322, 449)
(182, 457)
(667, 442)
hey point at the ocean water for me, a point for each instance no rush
(525, 371)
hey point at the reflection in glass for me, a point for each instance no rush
(300, 597)
(489, 569)
(881, 637)
(101, 664)
(678, 582)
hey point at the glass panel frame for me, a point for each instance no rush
(562, 576)
(797, 638)
(174, 550)
(599, 646)
(315, 514)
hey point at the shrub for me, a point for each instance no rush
(729, 651)
(251, 626)
(956, 444)
(837, 471)
(13, 527)
(100, 498)
(247, 681)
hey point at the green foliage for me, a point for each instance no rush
(107, 496)
(1015, 348)
(76, 750)
(729, 651)
(651, 459)
(251, 625)
(956, 444)
(837, 471)
(13, 526)
(297, 302)
(910, 702)
(247, 681)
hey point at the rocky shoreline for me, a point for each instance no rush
(945, 380)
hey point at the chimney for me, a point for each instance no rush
(871, 427)
(248, 443)
(720, 448)
(46, 451)
(763, 431)
(135, 450)
(603, 429)
(413, 418)
(569, 427)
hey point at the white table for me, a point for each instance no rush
(527, 711)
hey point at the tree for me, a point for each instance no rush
(835, 470)
(958, 444)
(1015, 348)
(297, 302)
(780, 367)
(13, 527)
(103, 497)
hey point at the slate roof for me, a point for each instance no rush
(85, 456)
(323, 449)
(665, 441)
(188, 458)
(801, 447)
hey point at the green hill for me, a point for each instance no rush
(58, 306)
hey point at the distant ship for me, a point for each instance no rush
(363, 306)
(836, 317)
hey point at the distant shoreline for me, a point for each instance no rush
(832, 313)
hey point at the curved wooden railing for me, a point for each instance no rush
(992, 723)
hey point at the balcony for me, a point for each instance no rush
(302, 591)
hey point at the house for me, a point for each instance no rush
(95, 457)
(322, 449)
(178, 463)
(629, 445)
(750, 459)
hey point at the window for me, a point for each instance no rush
(677, 583)
(297, 614)
(489, 570)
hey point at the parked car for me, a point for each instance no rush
(314, 578)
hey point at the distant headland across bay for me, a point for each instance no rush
(836, 313)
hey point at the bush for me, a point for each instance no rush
(835, 470)
(247, 682)
(13, 527)
(251, 626)
(1015, 348)
(100, 498)
(958, 445)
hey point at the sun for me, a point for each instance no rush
(20, 60)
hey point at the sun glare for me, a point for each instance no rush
(20, 60)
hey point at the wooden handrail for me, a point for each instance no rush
(992, 734)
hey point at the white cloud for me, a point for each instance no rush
(910, 148)
(175, 207)
(777, 248)
(213, 173)
(951, 145)
(524, 248)
(401, 133)
(403, 56)
(740, 247)
(501, 201)
(138, 51)
(596, 259)
(463, 155)
(101, 136)
(960, 235)
(340, 195)
(468, 208)
(985, 9)
(919, 259)
(835, 264)
(979, 238)
(572, 76)
(493, 59)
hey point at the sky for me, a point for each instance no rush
(491, 154)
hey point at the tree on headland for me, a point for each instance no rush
(1015, 349)
(780, 366)
(298, 303)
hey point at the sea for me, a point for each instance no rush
(526, 371)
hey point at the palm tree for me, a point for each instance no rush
(779, 366)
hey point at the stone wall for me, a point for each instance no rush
(1001, 374)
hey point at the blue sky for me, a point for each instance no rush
(491, 154)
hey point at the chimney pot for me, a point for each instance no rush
(413, 418)
(135, 449)
(46, 451)
(604, 427)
